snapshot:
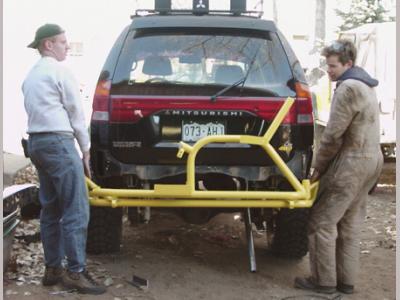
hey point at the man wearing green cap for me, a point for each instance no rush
(55, 118)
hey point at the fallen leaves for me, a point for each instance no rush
(27, 175)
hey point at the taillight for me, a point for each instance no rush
(101, 100)
(303, 104)
(126, 110)
(269, 110)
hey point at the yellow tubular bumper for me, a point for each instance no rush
(185, 195)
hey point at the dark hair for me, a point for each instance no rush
(344, 49)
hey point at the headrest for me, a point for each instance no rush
(157, 65)
(228, 74)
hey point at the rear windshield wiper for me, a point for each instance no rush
(229, 87)
(240, 81)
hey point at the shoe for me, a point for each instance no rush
(345, 288)
(308, 284)
(83, 283)
(52, 275)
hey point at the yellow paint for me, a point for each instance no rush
(286, 148)
(185, 195)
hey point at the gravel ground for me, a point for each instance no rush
(183, 261)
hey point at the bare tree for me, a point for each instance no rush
(320, 30)
(320, 19)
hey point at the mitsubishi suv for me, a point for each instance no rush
(176, 76)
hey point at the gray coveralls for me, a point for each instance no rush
(350, 159)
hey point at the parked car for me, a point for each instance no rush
(176, 76)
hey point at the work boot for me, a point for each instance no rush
(345, 288)
(52, 275)
(308, 284)
(83, 283)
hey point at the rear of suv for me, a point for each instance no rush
(176, 76)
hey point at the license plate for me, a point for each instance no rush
(192, 131)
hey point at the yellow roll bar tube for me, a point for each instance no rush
(185, 195)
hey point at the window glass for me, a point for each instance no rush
(294, 62)
(192, 57)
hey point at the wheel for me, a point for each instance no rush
(105, 230)
(388, 150)
(290, 236)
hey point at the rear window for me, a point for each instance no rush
(157, 61)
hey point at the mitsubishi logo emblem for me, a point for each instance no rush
(200, 4)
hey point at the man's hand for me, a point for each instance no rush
(86, 166)
(315, 176)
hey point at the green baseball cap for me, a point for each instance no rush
(45, 31)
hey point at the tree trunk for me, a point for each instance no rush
(320, 17)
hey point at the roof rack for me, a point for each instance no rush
(200, 7)
(146, 12)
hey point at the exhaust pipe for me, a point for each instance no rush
(219, 182)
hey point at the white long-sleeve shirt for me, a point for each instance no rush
(53, 102)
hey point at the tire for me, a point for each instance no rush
(388, 151)
(104, 230)
(290, 236)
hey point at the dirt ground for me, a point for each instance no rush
(183, 261)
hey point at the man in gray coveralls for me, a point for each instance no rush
(348, 164)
